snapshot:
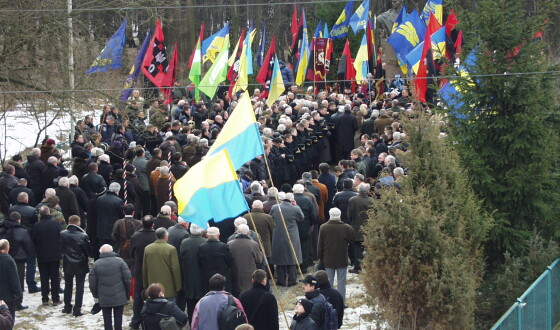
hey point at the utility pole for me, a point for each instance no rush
(71, 71)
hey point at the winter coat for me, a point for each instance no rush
(109, 280)
(330, 182)
(163, 220)
(332, 246)
(83, 202)
(28, 214)
(177, 233)
(120, 235)
(282, 253)
(178, 170)
(161, 265)
(345, 128)
(303, 322)
(368, 127)
(10, 289)
(264, 226)
(382, 122)
(7, 183)
(50, 174)
(18, 189)
(21, 245)
(335, 298)
(79, 167)
(34, 168)
(261, 307)
(143, 176)
(76, 249)
(247, 257)
(324, 194)
(309, 215)
(46, 237)
(109, 210)
(205, 316)
(318, 311)
(189, 266)
(341, 200)
(106, 171)
(138, 242)
(357, 213)
(6, 320)
(156, 309)
(93, 184)
(214, 257)
(68, 202)
(287, 76)
(20, 171)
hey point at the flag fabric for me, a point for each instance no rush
(295, 45)
(359, 20)
(370, 42)
(234, 62)
(245, 64)
(111, 55)
(435, 7)
(135, 70)
(321, 59)
(195, 63)
(156, 62)
(406, 36)
(360, 63)
(401, 18)
(426, 63)
(345, 69)
(217, 72)
(379, 76)
(326, 31)
(295, 26)
(265, 73)
(340, 28)
(451, 96)
(311, 66)
(276, 84)
(438, 49)
(249, 49)
(214, 44)
(240, 135)
(303, 54)
(210, 180)
(170, 75)
(262, 45)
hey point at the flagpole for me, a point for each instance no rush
(326, 56)
(71, 68)
(314, 68)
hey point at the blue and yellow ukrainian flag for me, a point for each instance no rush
(212, 45)
(276, 84)
(240, 135)
(406, 36)
(340, 28)
(358, 21)
(303, 63)
(210, 190)
(433, 6)
(438, 50)
(402, 16)
(111, 55)
(360, 63)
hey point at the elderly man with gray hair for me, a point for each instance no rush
(247, 257)
(109, 209)
(68, 202)
(357, 215)
(263, 224)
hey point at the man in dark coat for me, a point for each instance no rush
(304, 226)
(81, 197)
(260, 305)
(138, 242)
(7, 182)
(335, 237)
(51, 173)
(109, 210)
(93, 183)
(22, 187)
(214, 257)
(331, 294)
(21, 247)
(357, 215)
(105, 168)
(263, 225)
(164, 218)
(75, 251)
(34, 168)
(188, 258)
(46, 237)
(178, 167)
(68, 202)
(342, 198)
(109, 283)
(345, 128)
(10, 289)
(329, 180)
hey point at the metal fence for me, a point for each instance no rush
(539, 306)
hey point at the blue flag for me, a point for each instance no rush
(260, 52)
(326, 31)
(111, 55)
(135, 70)
(340, 28)
(358, 21)
(407, 35)
(318, 29)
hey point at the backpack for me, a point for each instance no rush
(330, 319)
(229, 316)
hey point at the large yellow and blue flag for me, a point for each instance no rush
(210, 181)
(402, 16)
(135, 70)
(217, 72)
(212, 45)
(303, 55)
(406, 36)
(361, 62)
(433, 6)
(438, 50)
(276, 84)
(240, 135)
(245, 63)
(358, 21)
(340, 28)
(111, 55)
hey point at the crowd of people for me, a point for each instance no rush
(325, 155)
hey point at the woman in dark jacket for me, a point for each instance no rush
(157, 307)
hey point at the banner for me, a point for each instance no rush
(156, 62)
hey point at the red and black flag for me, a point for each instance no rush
(233, 72)
(170, 76)
(265, 73)
(297, 36)
(427, 67)
(156, 62)
(346, 71)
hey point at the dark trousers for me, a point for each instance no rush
(145, 198)
(68, 284)
(358, 254)
(50, 276)
(112, 312)
(30, 271)
(138, 302)
(306, 252)
(286, 271)
(191, 303)
(20, 265)
(181, 300)
(314, 239)
(12, 307)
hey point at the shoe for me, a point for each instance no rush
(45, 303)
(280, 284)
(34, 290)
(56, 303)
(21, 307)
(354, 271)
(77, 314)
(95, 309)
(67, 310)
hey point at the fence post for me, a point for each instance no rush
(519, 318)
(549, 298)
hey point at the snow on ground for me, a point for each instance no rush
(358, 315)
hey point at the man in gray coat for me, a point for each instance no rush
(247, 257)
(189, 267)
(357, 216)
(282, 253)
(109, 283)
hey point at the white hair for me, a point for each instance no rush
(166, 209)
(73, 180)
(396, 136)
(390, 159)
(243, 229)
(267, 131)
(363, 188)
(257, 204)
(63, 181)
(398, 171)
(50, 192)
(114, 187)
(196, 229)
(289, 196)
(298, 188)
(164, 170)
(281, 128)
(52, 160)
(272, 191)
(36, 152)
(104, 158)
(239, 221)
(203, 142)
(105, 248)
